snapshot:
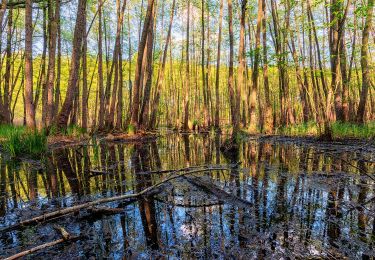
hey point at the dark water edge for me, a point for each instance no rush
(283, 197)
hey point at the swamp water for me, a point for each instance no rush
(282, 197)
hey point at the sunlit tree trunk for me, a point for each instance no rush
(232, 98)
(365, 63)
(52, 9)
(268, 118)
(6, 93)
(85, 94)
(218, 56)
(138, 71)
(185, 125)
(160, 79)
(255, 75)
(79, 31)
(100, 67)
(29, 104)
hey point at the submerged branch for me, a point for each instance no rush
(76, 208)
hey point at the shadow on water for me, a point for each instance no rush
(281, 198)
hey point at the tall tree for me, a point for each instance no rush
(185, 125)
(29, 103)
(232, 98)
(138, 70)
(218, 56)
(255, 75)
(79, 31)
(365, 63)
(52, 10)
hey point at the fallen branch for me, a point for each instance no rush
(219, 193)
(68, 210)
(66, 238)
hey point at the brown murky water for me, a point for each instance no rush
(285, 198)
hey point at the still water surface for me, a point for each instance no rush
(282, 197)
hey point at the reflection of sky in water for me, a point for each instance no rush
(290, 212)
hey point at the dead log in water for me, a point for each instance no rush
(77, 208)
(221, 194)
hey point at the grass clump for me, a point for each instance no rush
(7, 130)
(353, 130)
(31, 143)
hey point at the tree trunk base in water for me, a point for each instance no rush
(327, 135)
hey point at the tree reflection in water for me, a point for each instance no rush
(308, 200)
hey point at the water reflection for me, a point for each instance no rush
(281, 198)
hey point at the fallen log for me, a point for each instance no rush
(76, 208)
(66, 238)
(221, 194)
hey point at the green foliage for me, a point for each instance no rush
(131, 129)
(7, 130)
(339, 130)
(353, 130)
(71, 131)
(21, 142)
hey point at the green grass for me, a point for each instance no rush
(7, 130)
(72, 131)
(339, 130)
(19, 141)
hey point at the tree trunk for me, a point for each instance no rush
(255, 76)
(79, 31)
(29, 104)
(138, 75)
(365, 64)
(160, 78)
(51, 60)
(268, 119)
(232, 99)
(217, 83)
(85, 93)
(185, 126)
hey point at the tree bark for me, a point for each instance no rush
(52, 9)
(218, 56)
(29, 103)
(365, 63)
(138, 75)
(79, 31)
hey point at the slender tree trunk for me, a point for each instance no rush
(185, 126)
(365, 63)
(268, 119)
(85, 94)
(217, 83)
(29, 104)
(100, 67)
(138, 76)
(255, 76)
(52, 9)
(145, 108)
(6, 104)
(160, 79)
(112, 109)
(204, 83)
(58, 72)
(79, 31)
(232, 98)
